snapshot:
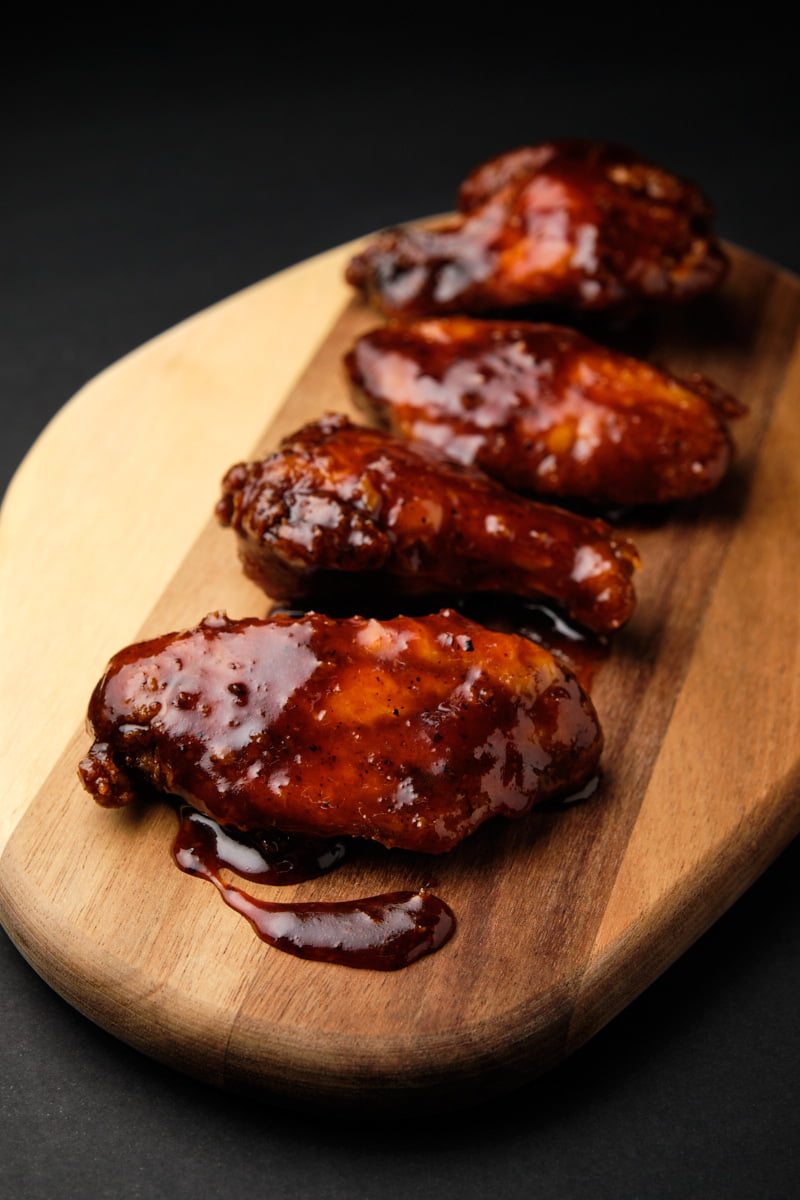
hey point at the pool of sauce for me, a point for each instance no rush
(379, 933)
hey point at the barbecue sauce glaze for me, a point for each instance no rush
(384, 932)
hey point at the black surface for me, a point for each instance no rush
(145, 176)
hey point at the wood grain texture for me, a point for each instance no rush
(565, 917)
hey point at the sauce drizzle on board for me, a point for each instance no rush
(379, 933)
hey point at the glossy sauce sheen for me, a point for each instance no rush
(545, 409)
(409, 732)
(340, 510)
(571, 223)
(379, 933)
(582, 653)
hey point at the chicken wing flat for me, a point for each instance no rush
(544, 409)
(569, 223)
(408, 732)
(340, 510)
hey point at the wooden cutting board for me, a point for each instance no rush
(107, 536)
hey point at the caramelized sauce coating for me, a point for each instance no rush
(408, 732)
(340, 508)
(544, 409)
(572, 223)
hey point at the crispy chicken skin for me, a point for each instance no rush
(569, 223)
(408, 732)
(544, 409)
(340, 508)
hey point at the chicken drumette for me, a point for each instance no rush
(570, 223)
(340, 509)
(545, 409)
(408, 732)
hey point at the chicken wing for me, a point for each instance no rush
(568, 223)
(544, 409)
(339, 509)
(408, 732)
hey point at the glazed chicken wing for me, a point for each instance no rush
(569, 223)
(408, 732)
(340, 508)
(544, 409)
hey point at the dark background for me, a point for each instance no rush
(148, 172)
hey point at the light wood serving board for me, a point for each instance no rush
(107, 536)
